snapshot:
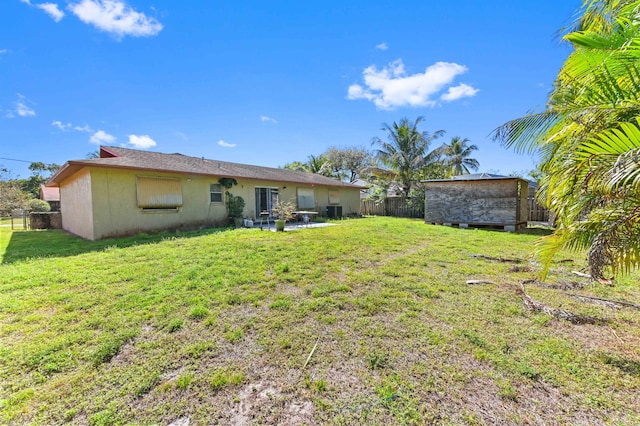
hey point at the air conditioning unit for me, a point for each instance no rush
(334, 211)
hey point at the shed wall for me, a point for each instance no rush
(482, 202)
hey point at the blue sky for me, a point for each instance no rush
(268, 83)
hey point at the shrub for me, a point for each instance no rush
(283, 210)
(235, 205)
(36, 205)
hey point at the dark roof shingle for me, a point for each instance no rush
(154, 161)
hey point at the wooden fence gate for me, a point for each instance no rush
(21, 217)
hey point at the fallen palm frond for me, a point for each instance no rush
(496, 259)
(535, 306)
(608, 302)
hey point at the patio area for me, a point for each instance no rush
(292, 226)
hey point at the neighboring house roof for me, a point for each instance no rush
(49, 193)
(363, 183)
(124, 158)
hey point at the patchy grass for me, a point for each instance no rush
(217, 325)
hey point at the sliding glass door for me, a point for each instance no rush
(266, 198)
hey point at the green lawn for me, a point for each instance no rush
(367, 322)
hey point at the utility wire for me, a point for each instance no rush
(13, 159)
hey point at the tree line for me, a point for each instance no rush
(24, 193)
(398, 162)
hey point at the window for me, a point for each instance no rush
(159, 193)
(334, 196)
(216, 192)
(306, 198)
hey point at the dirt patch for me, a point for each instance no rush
(264, 403)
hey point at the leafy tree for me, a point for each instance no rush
(348, 163)
(456, 157)
(12, 197)
(588, 139)
(406, 151)
(340, 163)
(40, 173)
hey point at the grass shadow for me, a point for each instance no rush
(625, 365)
(536, 231)
(539, 231)
(25, 245)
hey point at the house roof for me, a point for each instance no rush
(48, 193)
(124, 158)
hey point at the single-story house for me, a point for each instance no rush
(128, 191)
(51, 195)
(495, 201)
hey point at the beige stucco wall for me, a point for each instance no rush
(349, 197)
(76, 205)
(349, 200)
(109, 198)
(116, 211)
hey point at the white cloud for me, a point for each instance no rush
(101, 137)
(182, 136)
(116, 17)
(458, 92)
(391, 87)
(264, 118)
(21, 108)
(142, 141)
(382, 46)
(68, 126)
(225, 144)
(52, 10)
(61, 126)
(84, 128)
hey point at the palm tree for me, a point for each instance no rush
(456, 157)
(406, 151)
(315, 164)
(297, 166)
(319, 164)
(589, 140)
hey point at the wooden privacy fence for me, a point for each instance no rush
(392, 206)
(399, 207)
(537, 213)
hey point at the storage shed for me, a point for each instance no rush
(480, 200)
